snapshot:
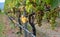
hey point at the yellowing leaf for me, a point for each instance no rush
(24, 19)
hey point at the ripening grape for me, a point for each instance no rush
(39, 17)
(53, 18)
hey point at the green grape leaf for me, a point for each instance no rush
(54, 3)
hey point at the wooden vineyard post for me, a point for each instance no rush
(25, 16)
(24, 30)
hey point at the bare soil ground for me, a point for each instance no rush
(46, 31)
